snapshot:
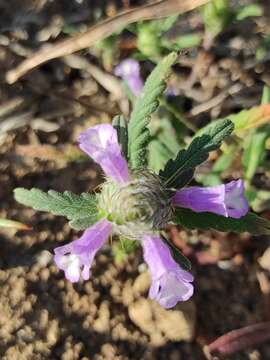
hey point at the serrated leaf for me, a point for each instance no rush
(120, 125)
(145, 105)
(251, 223)
(177, 255)
(178, 172)
(83, 223)
(65, 204)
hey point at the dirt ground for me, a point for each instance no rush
(43, 316)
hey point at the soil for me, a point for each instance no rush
(43, 316)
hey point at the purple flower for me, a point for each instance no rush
(226, 200)
(170, 283)
(129, 71)
(100, 143)
(76, 257)
(136, 205)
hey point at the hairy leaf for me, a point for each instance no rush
(72, 206)
(83, 223)
(251, 223)
(145, 105)
(178, 172)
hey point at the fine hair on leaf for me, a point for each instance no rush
(146, 104)
(74, 207)
(251, 222)
(179, 172)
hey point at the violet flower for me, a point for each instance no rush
(129, 71)
(170, 283)
(136, 205)
(227, 200)
(76, 257)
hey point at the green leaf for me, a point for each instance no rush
(145, 105)
(72, 206)
(178, 172)
(83, 223)
(265, 95)
(254, 143)
(254, 150)
(216, 15)
(122, 248)
(182, 42)
(248, 11)
(158, 155)
(164, 144)
(251, 223)
(120, 125)
(177, 255)
(13, 224)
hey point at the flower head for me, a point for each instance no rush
(129, 71)
(137, 205)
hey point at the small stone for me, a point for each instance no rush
(177, 324)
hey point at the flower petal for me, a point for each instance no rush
(100, 143)
(170, 283)
(75, 258)
(236, 203)
(227, 200)
(129, 71)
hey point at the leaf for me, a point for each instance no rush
(182, 42)
(83, 223)
(14, 224)
(178, 172)
(177, 255)
(259, 200)
(265, 95)
(251, 223)
(254, 143)
(145, 105)
(158, 155)
(120, 125)
(246, 11)
(72, 206)
(164, 144)
(254, 150)
(122, 248)
(252, 118)
(216, 15)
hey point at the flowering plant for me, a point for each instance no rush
(136, 204)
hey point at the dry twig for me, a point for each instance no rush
(98, 32)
